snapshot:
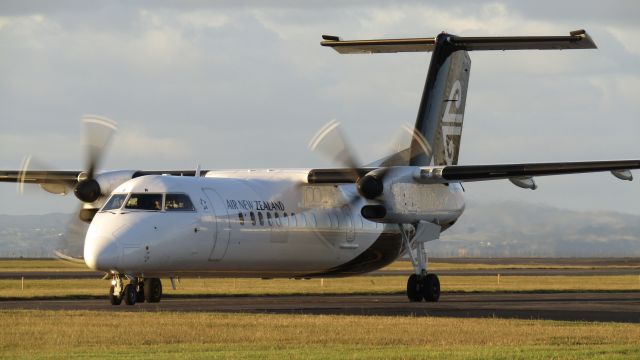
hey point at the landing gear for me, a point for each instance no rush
(140, 292)
(425, 287)
(130, 294)
(414, 289)
(431, 288)
(114, 298)
(421, 285)
(136, 291)
(152, 290)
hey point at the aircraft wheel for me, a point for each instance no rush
(114, 299)
(431, 288)
(152, 290)
(130, 294)
(414, 288)
(140, 293)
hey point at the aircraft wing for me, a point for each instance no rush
(509, 171)
(71, 177)
(61, 182)
(466, 173)
(39, 177)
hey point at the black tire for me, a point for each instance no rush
(130, 294)
(114, 299)
(431, 288)
(140, 293)
(152, 290)
(414, 288)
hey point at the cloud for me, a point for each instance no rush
(137, 146)
(246, 84)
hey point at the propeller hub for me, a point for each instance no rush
(370, 186)
(87, 191)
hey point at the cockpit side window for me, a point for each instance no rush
(144, 201)
(178, 202)
(115, 202)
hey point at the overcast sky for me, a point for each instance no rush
(246, 84)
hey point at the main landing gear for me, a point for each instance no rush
(138, 290)
(421, 285)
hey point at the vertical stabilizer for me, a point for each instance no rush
(441, 111)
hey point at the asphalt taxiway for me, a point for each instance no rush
(574, 306)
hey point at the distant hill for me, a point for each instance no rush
(513, 229)
(505, 229)
(31, 235)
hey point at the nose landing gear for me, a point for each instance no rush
(138, 290)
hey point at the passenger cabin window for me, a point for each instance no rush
(241, 218)
(269, 219)
(260, 218)
(253, 218)
(178, 202)
(115, 202)
(144, 201)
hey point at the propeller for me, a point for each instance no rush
(50, 183)
(331, 142)
(71, 245)
(98, 132)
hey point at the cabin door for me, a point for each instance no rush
(223, 228)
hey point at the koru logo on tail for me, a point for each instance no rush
(452, 123)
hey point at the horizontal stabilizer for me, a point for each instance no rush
(578, 39)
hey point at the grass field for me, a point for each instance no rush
(82, 335)
(78, 288)
(167, 335)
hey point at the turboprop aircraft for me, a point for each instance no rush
(300, 223)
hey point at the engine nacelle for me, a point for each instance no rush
(91, 190)
(405, 201)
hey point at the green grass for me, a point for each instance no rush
(82, 288)
(26, 265)
(166, 335)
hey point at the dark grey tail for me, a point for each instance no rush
(441, 111)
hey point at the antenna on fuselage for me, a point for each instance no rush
(198, 170)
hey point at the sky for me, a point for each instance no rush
(233, 84)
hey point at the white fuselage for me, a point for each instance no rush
(253, 223)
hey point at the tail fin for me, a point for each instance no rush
(441, 111)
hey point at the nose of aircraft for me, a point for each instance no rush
(101, 252)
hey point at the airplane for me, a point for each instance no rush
(300, 223)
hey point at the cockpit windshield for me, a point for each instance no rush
(178, 202)
(144, 201)
(115, 202)
(147, 201)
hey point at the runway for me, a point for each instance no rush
(583, 306)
